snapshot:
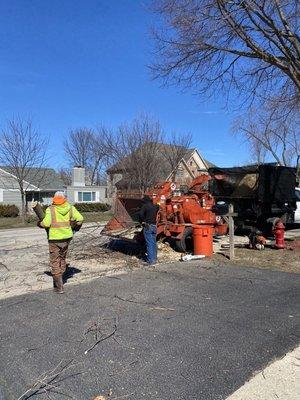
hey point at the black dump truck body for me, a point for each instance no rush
(258, 193)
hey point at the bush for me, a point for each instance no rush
(8, 210)
(92, 207)
(31, 218)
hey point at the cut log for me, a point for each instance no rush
(37, 208)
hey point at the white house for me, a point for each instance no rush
(40, 184)
(79, 192)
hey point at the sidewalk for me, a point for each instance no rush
(280, 380)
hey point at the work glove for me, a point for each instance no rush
(76, 226)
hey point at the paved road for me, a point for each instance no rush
(180, 332)
(12, 238)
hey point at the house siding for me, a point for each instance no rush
(10, 193)
(112, 180)
(101, 193)
(183, 175)
(197, 162)
(12, 197)
(193, 166)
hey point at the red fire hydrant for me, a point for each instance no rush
(278, 232)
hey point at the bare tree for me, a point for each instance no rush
(66, 176)
(270, 136)
(258, 152)
(249, 47)
(249, 50)
(84, 147)
(177, 148)
(133, 150)
(23, 151)
(142, 153)
(78, 146)
(98, 154)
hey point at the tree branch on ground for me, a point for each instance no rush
(49, 381)
(102, 338)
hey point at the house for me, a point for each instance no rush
(40, 184)
(190, 165)
(79, 192)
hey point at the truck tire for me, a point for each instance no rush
(185, 244)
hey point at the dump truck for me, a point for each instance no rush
(259, 193)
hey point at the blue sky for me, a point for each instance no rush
(75, 63)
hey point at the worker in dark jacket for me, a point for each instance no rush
(147, 216)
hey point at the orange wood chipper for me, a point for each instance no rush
(183, 214)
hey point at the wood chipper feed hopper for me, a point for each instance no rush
(180, 212)
(125, 213)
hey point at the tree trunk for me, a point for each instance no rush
(23, 208)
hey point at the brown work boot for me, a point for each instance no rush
(58, 284)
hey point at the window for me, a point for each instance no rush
(86, 197)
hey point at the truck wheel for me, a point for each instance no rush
(185, 244)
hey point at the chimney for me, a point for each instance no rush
(78, 176)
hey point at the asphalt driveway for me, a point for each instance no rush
(183, 331)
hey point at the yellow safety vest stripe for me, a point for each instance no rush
(58, 224)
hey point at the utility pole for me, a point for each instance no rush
(229, 219)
